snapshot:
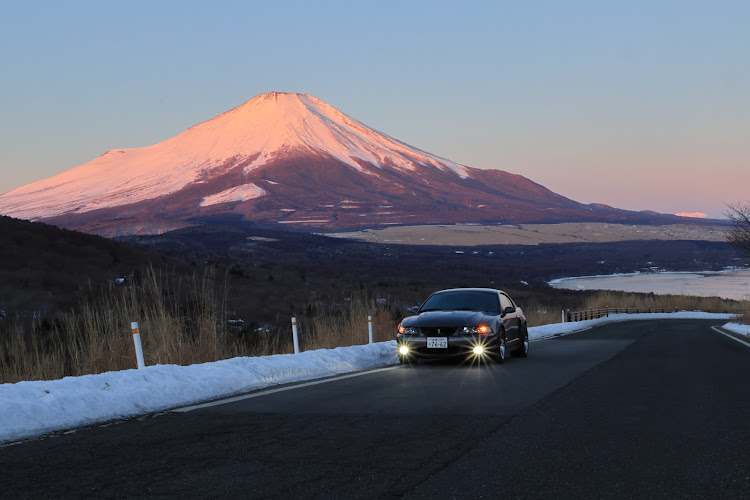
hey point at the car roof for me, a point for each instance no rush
(493, 290)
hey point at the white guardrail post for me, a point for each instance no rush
(563, 316)
(369, 326)
(137, 342)
(294, 335)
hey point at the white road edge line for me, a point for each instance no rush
(265, 392)
(730, 336)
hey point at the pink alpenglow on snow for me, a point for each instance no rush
(239, 193)
(694, 215)
(284, 158)
(250, 134)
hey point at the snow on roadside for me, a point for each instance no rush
(29, 409)
(32, 408)
(737, 328)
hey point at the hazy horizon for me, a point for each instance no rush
(638, 105)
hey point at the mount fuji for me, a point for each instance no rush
(291, 159)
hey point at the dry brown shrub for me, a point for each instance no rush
(541, 312)
(345, 322)
(538, 312)
(745, 318)
(644, 301)
(182, 321)
(30, 357)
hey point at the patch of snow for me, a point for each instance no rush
(737, 328)
(236, 194)
(309, 221)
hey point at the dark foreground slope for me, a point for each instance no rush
(42, 267)
(283, 271)
(280, 273)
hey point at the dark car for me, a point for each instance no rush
(476, 323)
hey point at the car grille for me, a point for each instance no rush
(452, 350)
(443, 331)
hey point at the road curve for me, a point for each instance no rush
(632, 409)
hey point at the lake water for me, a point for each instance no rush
(727, 284)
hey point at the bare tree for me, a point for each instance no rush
(739, 234)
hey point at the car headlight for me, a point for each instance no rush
(407, 330)
(476, 330)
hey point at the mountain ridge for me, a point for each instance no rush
(287, 158)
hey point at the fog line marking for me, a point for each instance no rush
(265, 392)
(730, 336)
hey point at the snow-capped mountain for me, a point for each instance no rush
(283, 158)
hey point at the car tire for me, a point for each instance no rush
(499, 356)
(523, 349)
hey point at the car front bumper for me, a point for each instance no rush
(458, 346)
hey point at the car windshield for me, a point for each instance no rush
(462, 301)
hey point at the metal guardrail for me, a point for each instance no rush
(572, 316)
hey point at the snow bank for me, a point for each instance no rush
(30, 409)
(737, 328)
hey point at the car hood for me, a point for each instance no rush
(447, 318)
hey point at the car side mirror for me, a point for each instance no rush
(508, 310)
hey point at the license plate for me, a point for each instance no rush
(437, 342)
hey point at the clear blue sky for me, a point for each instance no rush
(637, 104)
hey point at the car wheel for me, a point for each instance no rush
(404, 360)
(523, 349)
(499, 356)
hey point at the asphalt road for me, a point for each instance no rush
(657, 409)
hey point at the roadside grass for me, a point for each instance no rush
(745, 319)
(184, 321)
(540, 312)
(644, 301)
(344, 322)
(181, 322)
